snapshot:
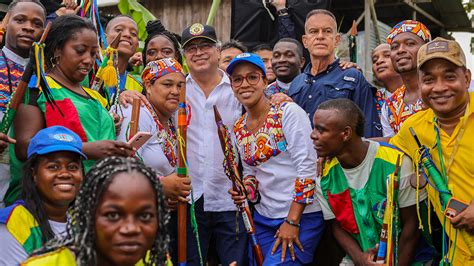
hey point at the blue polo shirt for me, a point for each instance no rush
(310, 91)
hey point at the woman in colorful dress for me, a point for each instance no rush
(279, 162)
(119, 215)
(52, 177)
(163, 80)
(70, 52)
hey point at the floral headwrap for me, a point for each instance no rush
(157, 69)
(412, 26)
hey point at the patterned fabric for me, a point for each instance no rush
(22, 226)
(398, 111)
(16, 71)
(360, 211)
(157, 69)
(274, 88)
(304, 190)
(267, 142)
(166, 138)
(379, 100)
(412, 26)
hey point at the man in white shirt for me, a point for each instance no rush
(206, 86)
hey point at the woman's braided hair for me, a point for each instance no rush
(155, 28)
(81, 227)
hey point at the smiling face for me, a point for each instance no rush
(286, 62)
(163, 94)
(444, 86)
(203, 58)
(128, 40)
(227, 55)
(158, 48)
(58, 177)
(126, 222)
(248, 94)
(321, 37)
(382, 66)
(77, 56)
(24, 27)
(404, 50)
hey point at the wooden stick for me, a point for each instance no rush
(135, 118)
(19, 93)
(182, 171)
(238, 186)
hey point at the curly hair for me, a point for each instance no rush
(81, 227)
(154, 29)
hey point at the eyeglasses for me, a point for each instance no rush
(204, 46)
(252, 79)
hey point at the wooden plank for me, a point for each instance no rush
(178, 14)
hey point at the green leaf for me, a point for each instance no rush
(139, 13)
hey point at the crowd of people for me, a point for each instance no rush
(327, 159)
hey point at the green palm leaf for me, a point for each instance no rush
(139, 13)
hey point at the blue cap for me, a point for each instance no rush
(54, 139)
(249, 58)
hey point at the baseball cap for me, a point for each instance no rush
(443, 49)
(249, 58)
(196, 31)
(54, 139)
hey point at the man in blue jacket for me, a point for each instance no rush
(323, 79)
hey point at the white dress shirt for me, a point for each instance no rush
(204, 152)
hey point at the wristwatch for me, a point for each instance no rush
(283, 12)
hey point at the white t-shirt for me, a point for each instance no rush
(151, 152)
(358, 176)
(11, 251)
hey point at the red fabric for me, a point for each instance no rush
(341, 205)
(70, 119)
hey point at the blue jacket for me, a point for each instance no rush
(310, 91)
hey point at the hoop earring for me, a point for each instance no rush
(54, 61)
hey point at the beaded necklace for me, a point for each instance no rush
(166, 138)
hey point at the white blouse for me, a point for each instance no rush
(151, 152)
(278, 155)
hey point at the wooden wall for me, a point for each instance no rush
(178, 14)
